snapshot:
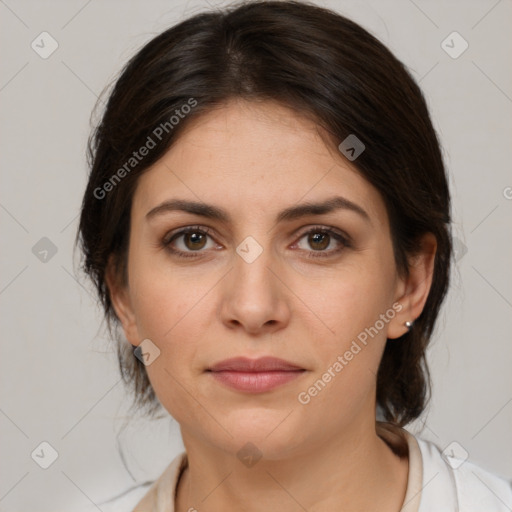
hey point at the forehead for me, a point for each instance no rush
(238, 130)
(262, 154)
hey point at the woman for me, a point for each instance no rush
(267, 218)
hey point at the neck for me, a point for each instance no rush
(349, 472)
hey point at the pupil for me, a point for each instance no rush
(195, 238)
(316, 237)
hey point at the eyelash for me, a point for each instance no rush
(171, 237)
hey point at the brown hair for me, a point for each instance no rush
(318, 63)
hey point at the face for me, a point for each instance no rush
(320, 291)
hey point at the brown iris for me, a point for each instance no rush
(195, 238)
(319, 238)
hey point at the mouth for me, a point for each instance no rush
(255, 375)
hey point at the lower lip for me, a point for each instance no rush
(255, 382)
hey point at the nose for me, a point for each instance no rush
(255, 297)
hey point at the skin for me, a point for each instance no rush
(255, 159)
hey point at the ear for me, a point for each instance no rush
(120, 297)
(412, 292)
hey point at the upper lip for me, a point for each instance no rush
(262, 364)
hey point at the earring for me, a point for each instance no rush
(409, 325)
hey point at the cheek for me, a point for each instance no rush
(348, 341)
(163, 297)
(170, 315)
(170, 311)
(347, 345)
(346, 304)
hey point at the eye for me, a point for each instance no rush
(319, 238)
(194, 239)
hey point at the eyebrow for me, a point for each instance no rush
(292, 213)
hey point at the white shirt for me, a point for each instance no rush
(436, 483)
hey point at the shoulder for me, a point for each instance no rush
(160, 496)
(452, 482)
(122, 502)
(156, 498)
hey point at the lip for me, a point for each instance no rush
(255, 375)
(261, 364)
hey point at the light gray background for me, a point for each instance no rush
(59, 377)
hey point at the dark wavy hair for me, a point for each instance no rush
(327, 68)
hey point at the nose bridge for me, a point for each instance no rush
(255, 297)
(252, 265)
